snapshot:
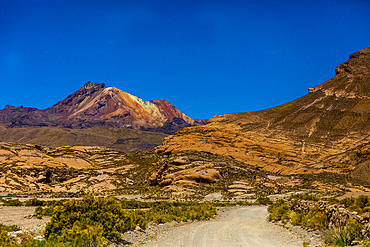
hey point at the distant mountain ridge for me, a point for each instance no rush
(97, 105)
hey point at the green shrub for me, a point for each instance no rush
(366, 243)
(333, 200)
(34, 202)
(339, 242)
(296, 218)
(4, 238)
(48, 243)
(263, 201)
(345, 234)
(93, 220)
(82, 233)
(315, 219)
(39, 212)
(12, 202)
(306, 244)
(12, 228)
(278, 211)
(360, 204)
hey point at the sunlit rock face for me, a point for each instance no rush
(326, 130)
(95, 104)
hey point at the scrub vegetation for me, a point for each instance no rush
(340, 222)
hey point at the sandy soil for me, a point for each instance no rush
(19, 216)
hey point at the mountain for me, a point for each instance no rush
(327, 130)
(97, 105)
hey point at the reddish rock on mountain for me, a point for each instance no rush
(95, 104)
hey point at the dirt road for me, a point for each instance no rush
(16, 216)
(245, 226)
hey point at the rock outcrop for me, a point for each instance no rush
(326, 130)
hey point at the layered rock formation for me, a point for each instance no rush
(326, 130)
(95, 104)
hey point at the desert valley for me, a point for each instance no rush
(105, 151)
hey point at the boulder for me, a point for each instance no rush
(165, 182)
(153, 178)
(180, 160)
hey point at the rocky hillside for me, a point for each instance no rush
(327, 130)
(91, 169)
(95, 104)
(76, 170)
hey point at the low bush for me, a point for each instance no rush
(296, 218)
(35, 202)
(359, 204)
(263, 201)
(343, 236)
(315, 219)
(48, 243)
(78, 222)
(30, 202)
(366, 243)
(304, 196)
(4, 238)
(12, 228)
(12, 202)
(278, 211)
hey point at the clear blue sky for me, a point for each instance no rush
(205, 57)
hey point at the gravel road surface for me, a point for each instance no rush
(244, 226)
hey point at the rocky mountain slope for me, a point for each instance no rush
(95, 104)
(327, 130)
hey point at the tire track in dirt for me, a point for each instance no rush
(243, 226)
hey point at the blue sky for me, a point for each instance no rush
(205, 57)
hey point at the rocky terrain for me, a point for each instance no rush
(77, 170)
(326, 131)
(30, 169)
(120, 139)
